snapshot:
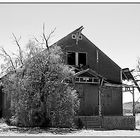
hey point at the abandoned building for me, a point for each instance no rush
(98, 82)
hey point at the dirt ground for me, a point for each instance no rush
(6, 131)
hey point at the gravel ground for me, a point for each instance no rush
(6, 130)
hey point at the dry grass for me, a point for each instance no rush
(6, 130)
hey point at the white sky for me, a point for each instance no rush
(114, 28)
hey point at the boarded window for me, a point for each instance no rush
(71, 58)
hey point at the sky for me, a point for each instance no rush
(114, 28)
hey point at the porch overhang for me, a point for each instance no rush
(90, 71)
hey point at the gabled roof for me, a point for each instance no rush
(91, 43)
(90, 71)
(68, 42)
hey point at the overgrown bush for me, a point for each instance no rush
(38, 92)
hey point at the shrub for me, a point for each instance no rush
(39, 94)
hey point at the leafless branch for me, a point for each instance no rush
(36, 40)
(14, 54)
(44, 37)
(51, 33)
(40, 43)
(6, 54)
(20, 50)
(47, 38)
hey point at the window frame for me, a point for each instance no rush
(76, 57)
(67, 57)
(78, 80)
(86, 57)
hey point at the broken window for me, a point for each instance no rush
(81, 59)
(71, 58)
(87, 80)
(75, 58)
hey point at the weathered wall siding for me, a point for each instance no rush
(106, 66)
(111, 101)
(91, 99)
(88, 99)
(118, 122)
(90, 121)
(0, 102)
(6, 106)
(86, 75)
(117, 105)
(110, 122)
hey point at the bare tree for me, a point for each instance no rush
(12, 63)
(19, 48)
(9, 65)
(45, 38)
(41, 94)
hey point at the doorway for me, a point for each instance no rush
(88, 96)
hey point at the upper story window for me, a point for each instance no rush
(71, 57)
(82, 59)
(77, 58)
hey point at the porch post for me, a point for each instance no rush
(100, 107)
(133, 102)
(100, 97)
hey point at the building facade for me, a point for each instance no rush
(98, 82)
(92, 66)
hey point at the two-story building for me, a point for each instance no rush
(98, 82)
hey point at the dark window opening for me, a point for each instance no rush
(71, 58)
(77, 59)
(68, 81)
(82, 59)
(89, 80)
(96, 80)
(82, 79)
(77, 79)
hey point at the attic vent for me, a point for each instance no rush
(77, 37)
(73, 36)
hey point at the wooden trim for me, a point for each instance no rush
(86, 81)
(76, 56)
(67, 56)
(86, 56)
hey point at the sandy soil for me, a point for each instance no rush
(6, 130)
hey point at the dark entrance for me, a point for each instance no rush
(111, 101)
(88, 95)
(106, 101)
